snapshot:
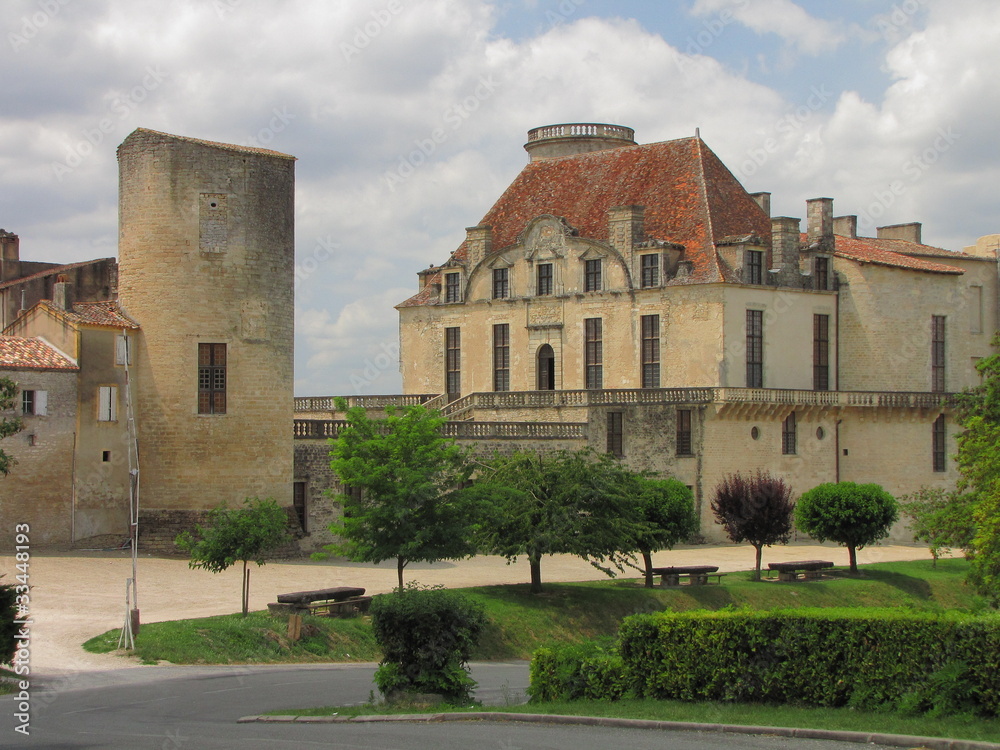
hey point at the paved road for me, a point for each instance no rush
(196, 708)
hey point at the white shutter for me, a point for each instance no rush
(123, 355)
(107, 407)
(41, 403)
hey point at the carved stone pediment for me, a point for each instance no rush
(592, 253)
(545, 238)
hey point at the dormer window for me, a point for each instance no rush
(755, 267)
(822, 273)
(650, 270)
(544, 286)
(592, 275)
(452, 285)
(501, 283)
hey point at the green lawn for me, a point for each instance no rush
(565, 612)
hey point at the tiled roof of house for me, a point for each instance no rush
(94, 313)
(689, 195)
(213, 144)
(31, 354)
(895, 253)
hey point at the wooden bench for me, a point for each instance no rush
(340, 601)
(697, 575)
(789, 571)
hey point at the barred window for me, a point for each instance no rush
(453, 362)
(788, 435)
(755, 348)
(452, 282)
(821, 352)
(544, 286)
(755, 266)
(822, 273)
(594, 352)
(650, 270)
(501, 283)
(937, 354)
(501, 357)
(938, 444)
(592, 276)
(684, 447)
(616, 434)
(211, 378)
(650, 351)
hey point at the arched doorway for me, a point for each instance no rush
(546, 368)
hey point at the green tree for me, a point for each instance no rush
(249, 534)
(8, 425)
(667, 505)
(558, 503)
(853, 515)
(944, 520)
(979, 463)
(756, 509)
(412, 504)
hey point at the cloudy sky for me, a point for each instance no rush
(888, 106)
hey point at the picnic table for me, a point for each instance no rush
(697, 575)
(789, 571)
(339, 601)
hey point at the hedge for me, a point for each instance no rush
(867, 658)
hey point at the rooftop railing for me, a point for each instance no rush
(596, 129)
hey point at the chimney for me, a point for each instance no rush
(909, 232)
(10, 258)
(785, 234)
(478, 244)
(846, 226)
(62, 294)
(573, 138)
(626, 228)
(819, 222)
(763, 200)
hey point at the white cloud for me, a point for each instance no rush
(808, 34)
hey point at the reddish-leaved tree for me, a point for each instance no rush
(757, 509)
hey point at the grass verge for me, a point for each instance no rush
(746, 714)
(566, 612)
(8, 681)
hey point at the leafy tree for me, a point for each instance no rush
(756, 509)
(854, 515)
(557, 503)
(944, 520)
(667, 505)
(8, 425)
(248, 534)
(412, 505)
(979, 463)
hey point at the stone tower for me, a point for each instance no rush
(206, 254)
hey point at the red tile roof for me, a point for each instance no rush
(213, 144)
(31, 354)
(895, 253)
(690, 199)
(94, 313)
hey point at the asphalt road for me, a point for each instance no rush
(196, 708)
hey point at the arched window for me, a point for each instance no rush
(546, 368)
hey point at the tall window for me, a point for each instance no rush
(546, 368)
(755, 266)
(788, 435)
(34, 403)
(501, 283)
(453, 362)
(594, 353)
(755, 348)
(822, 273)
(592, 276)
(544, 286)
(123, 350)
(616, 434)
(650, 270)
(975, 309)
(451, 287)
(107, 403)
(684, 432)
(501, 357)
(211, 378)
(937, 353)
(821, 352)
(938, 444)
(299, 503)
(650, 351)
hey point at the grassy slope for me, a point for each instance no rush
(565, 612)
